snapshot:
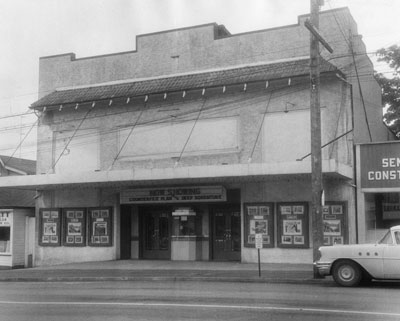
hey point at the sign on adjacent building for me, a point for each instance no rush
(174, 195)
(380, 165)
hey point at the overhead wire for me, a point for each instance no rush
(191, 132)
(350, 46)
(70, 139)
(20, 143)
(128, 136)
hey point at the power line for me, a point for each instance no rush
(129, 134)
(20, 144)
(69, 141)
(191, 131)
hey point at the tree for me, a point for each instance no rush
(391, 87)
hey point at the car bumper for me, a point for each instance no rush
(323, 268)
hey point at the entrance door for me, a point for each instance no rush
(156, 240)
(226, 234)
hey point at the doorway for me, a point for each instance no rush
(226, 240)
(156, 233)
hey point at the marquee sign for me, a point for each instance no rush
(380, 165)
(174, 195)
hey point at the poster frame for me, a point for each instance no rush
(50, 220)
(293, 225)
(73, 215)
(100, 219)
(259, 215)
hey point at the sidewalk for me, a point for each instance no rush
(144, 270)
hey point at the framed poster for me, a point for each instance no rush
(49, 227)
(335, 223)
(74, 227)
(259, 219)
(100, 228)
(293, 230)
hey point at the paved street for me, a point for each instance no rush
(99, 301)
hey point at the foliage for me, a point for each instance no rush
(391, 87)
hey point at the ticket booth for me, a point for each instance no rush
(17, 228)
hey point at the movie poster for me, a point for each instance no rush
(74, 227)
(293, 225)
(259, 219)
(100, 227)
(50, 227)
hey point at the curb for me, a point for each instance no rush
(165, 279)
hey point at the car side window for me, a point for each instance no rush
(397, 237)
(387, 239)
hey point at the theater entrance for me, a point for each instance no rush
(226, 240)
(156, 233)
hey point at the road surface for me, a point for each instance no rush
(117, 301)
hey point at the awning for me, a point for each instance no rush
(166, 84)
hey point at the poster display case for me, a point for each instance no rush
(50, 227)
(293, 231)
(74, 227)
(334, 217)
(100, 226)
(259, 219)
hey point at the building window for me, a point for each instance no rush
(186, 222)
(4, 239)
(77, 151)
(382, 210)
(206, 136)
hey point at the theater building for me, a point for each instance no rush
(196, 141)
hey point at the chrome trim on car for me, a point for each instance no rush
(324, 268)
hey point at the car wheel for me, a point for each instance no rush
(347, 273)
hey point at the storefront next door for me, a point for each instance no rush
(156, 234)
(226, 234)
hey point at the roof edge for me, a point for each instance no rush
(132, 80)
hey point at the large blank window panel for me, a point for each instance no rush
(81, 154)
(167, 140)
(286, 136)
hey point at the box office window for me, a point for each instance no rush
(186, 222)
(5, 239)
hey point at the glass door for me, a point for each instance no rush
(226, 240)
(156, 239)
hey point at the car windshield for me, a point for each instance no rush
(387, 239)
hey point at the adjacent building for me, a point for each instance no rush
(196, 141)
(17, 215)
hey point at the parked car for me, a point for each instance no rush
(350, 264)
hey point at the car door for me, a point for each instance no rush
(391, 258)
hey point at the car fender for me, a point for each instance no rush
(368, 256)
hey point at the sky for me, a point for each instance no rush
(30, 29)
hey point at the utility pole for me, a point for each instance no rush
(315, 124)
